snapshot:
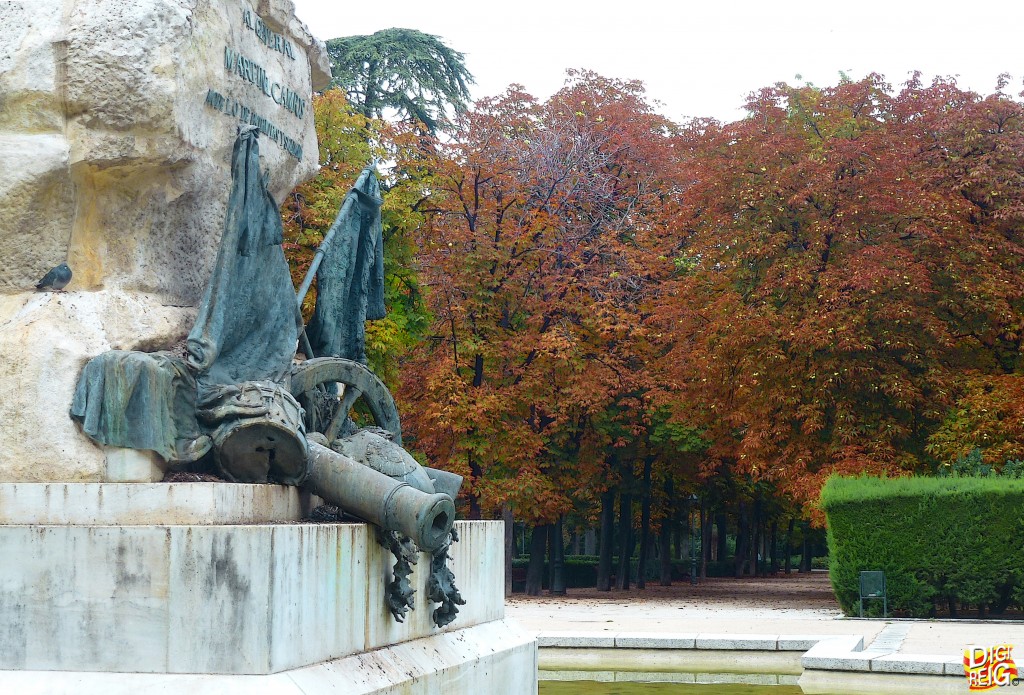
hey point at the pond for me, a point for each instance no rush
(647, 683)
(583, 687)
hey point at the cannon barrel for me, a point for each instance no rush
(381, 500)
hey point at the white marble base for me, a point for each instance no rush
(230, 599)
(132, 504)
(133, 465)
(496, 658)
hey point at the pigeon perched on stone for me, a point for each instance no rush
(57, 279)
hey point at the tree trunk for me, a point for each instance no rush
(510, 546)
(805, 553)
(577, 543)
(535, 570)
(590, 542)
(475, 474)
(788, 546)
(645, 527)
(775, 547)
(705, 539)
(665, 537)
(625, 540)
(678, 529)
(557, 545)
(755, 538)
(722, 522)
(740, 559)
(605, 549)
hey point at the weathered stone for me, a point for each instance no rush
(132, 504)
(45, 340)
(193, 598)
(117, 119)
(133, 465)
(497, 658)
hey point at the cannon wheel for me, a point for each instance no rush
(358, 382)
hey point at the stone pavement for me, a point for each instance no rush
(797, 612)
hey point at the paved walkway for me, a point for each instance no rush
(794, 605)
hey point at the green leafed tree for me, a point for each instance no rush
(404, 70)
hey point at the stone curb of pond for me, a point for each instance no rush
(847, 653)
(821, 652)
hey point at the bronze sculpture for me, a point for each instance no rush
(240, 400)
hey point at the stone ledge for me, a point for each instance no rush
(132, 504)
(704, 640)
(573, 639)
(496, 657)
(848, 654)
(909, 663)
(669, 660)
(653, 640)
(733, 642)
(801, 643)
(953, 667)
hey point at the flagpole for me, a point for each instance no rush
(321, 251)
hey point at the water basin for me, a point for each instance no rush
(636, 687)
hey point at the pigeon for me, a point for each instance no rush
(56, 279)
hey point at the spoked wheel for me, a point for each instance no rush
(311, 381)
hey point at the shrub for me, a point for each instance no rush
(952, 540)
(577, 571)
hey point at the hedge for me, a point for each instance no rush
(940, 541)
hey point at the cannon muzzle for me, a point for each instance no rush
(381, 500)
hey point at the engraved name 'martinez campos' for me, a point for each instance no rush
(253, 72)
(245, 68)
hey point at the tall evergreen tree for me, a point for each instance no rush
(408, 71)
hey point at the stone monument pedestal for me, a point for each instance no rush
(215, 587)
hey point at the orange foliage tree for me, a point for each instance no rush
(536, 253)
(620, 308)
(845, 257)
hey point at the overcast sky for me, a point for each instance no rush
(702, 59)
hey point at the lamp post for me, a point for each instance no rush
(693, 540)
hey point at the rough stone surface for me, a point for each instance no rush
(112, 158)
(45, 340)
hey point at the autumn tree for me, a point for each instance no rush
(534, 252)
(844, 256)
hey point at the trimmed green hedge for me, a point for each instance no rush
(940, 541)
(578, 570)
